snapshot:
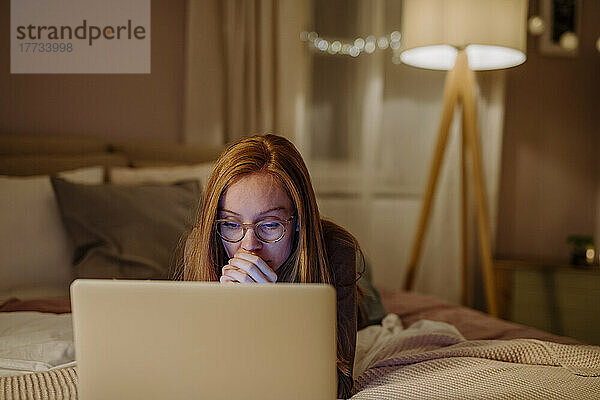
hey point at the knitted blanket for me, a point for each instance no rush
(56, 384)
(429, 360)
(432, 360)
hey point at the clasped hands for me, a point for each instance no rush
(245, 267)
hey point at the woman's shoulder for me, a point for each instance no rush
(341, 248)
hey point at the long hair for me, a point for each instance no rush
(278, 157)
(204, 254)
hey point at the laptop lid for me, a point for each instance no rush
(182, 340)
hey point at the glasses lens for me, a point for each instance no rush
(270, 231)
(230, 230)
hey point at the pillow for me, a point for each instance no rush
(128, 176)
(90, 176)
(127, 232)
(35, 251)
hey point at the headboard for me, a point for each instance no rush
(35, 155)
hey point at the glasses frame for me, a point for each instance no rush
(245, 227)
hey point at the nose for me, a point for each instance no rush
(250, 242)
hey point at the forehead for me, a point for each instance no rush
(255, 193)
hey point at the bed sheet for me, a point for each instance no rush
(34, 342)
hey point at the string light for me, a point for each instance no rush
(382, 43)
(536, 25)
(569, 41)
(354, 48)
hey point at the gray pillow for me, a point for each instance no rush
(127, 232)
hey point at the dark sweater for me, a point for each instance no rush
(342, 261)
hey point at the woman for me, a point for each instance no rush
(259, 222)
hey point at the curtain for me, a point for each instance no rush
(249, 29)
(390, 114)
(247, 72)
(246, 69)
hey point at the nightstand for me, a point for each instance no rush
(552, 296)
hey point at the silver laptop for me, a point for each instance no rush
(198, 340)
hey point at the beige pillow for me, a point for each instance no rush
(89, 176)
(35, 252)
(132, 176)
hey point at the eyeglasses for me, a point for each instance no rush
(268, 231)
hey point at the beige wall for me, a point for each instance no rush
(550, 169)
(113, 106)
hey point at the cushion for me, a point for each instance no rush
(128, 176)
(127, 232)
(35, 250)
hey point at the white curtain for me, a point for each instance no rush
(368, 141)
(246, 69)
(393, 116)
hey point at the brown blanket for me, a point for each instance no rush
(55, 305)
(472, 324)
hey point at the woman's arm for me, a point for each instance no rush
(346, 323)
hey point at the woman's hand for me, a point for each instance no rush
(245, 267)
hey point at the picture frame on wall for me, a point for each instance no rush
(562, 19)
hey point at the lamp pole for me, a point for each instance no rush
(459, 89)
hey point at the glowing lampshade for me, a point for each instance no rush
(493, 33)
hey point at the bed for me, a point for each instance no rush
(423, 348)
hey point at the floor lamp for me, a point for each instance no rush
(462, 36)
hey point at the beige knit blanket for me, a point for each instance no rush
(432, 360)
(56, 384)
(429, 360)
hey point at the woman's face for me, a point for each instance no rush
(251, 199)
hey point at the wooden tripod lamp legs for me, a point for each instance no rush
(450, 97)
(459, 87)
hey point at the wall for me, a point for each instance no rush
(112, 106)
(550, 175)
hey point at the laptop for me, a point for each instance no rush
(201, 340)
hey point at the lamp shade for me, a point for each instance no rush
(493, 32)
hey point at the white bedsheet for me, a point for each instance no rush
(34, 342)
